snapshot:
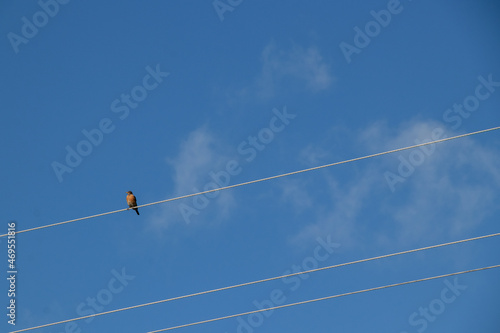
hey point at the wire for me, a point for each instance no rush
(261, 281)
(323, 298)
(264, 179)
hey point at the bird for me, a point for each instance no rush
(132, 202)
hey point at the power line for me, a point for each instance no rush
(263, 280)
(323, 299)
(264, 179)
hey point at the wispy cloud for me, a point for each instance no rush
(283, 70)
(305, 65)
(199, 154)
(452, 192)
(293, 191)
(313, 155)
(339, 212)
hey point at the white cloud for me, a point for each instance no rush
(304, 65)
(282, 71)
(340, 216)
(196, 156)
(294, 192)
(313, 155)
(380, 136)
(200, 154)
(452, 192)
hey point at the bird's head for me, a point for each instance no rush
(129, 192)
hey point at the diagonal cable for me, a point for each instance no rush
(324, 298)
(262, 281)
(263, 179)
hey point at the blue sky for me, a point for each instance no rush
(169, 98)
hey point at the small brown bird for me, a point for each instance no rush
(132, 202)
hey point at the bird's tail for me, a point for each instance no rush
(137, 211)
